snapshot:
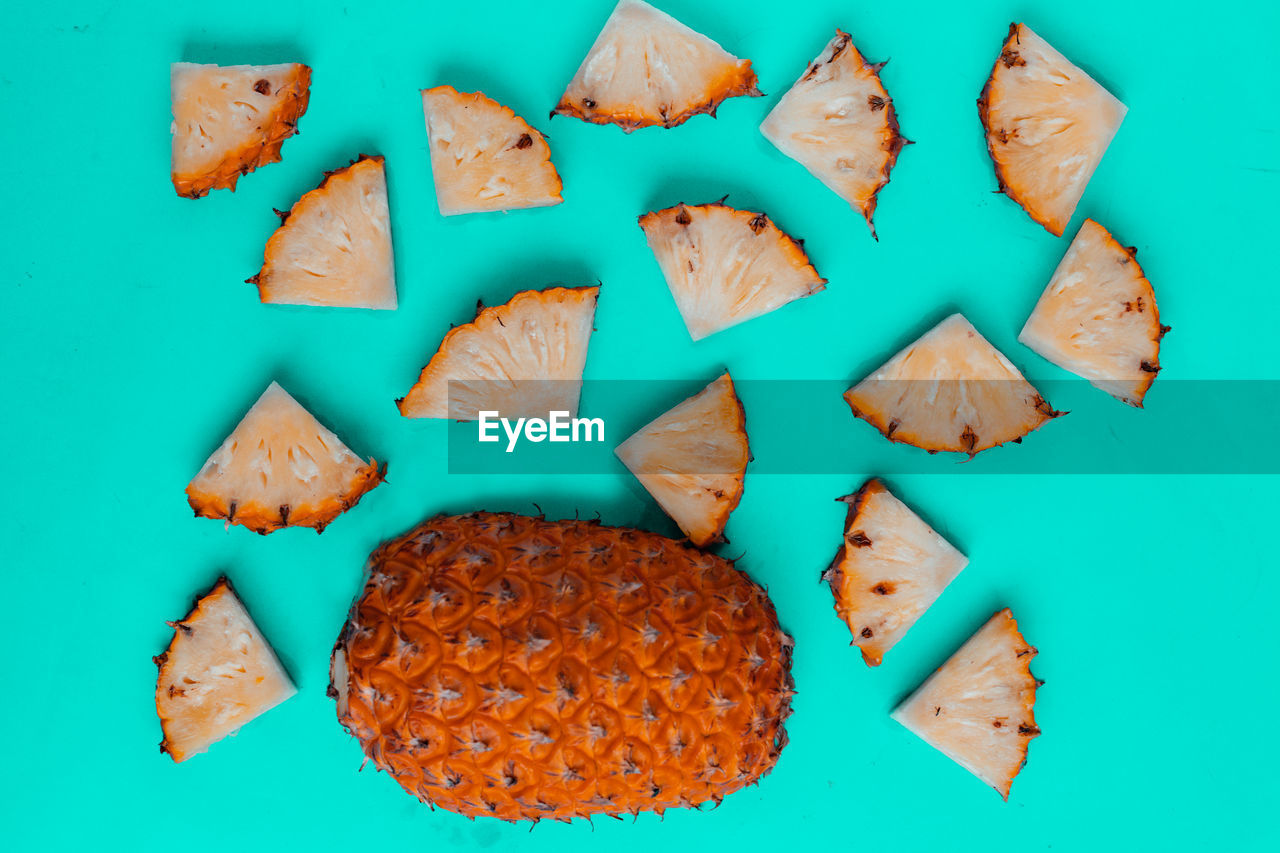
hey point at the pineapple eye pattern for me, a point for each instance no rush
(570, 706)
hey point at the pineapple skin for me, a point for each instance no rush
(509, 666)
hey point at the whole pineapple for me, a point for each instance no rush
(503, 665)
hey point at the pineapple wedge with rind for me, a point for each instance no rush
(978, 708)
(1048, 123)
(218, 674)
(839, 123)
(484, 157)
(1098, 317)
(727, 266)
(646, 68)
(890, 569)
(693, 458)
(230, 120)
(521, 359)
(280, 467)
(951, 391)
(333, 248)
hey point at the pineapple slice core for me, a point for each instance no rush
(646, 68)
(217, 674)
(484, 157)
(280, 467)
(1098, 318)
(890, 569)
(978, 709)
(693, 459)
(1048, 124)
(521, 359)
(727, 266)
(334, 247)
(951, 390)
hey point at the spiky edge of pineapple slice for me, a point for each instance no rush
(263, 519)
(863, 403)
(425, 401)
(755, 221)
(843, 567)
(1007, 183)
(1037, 332)
(262, 152)
(181, 630)
(842, 47)
(720, 394)
(735, 80)
(313, 199)
(1001, 628)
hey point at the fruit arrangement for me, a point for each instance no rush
(523, 668)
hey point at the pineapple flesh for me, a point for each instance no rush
(281, 467)
(693, 459)
(522, 359)
(484, 157)
(646, 68)
(498, 665)
(1098, 318)
(839, 123)
(229, 120)
(334, 247)
(727, 266)
(978, 708)
(891, 567)
(951, 391)
(1048, 124)
(218, 674)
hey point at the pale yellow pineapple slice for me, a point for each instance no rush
(839, 123)
(521, 359)
(693, 459)
(484, 157)
(951, 390)
(1098, 317)
(334, 247)
(646, 68)
(281, 467)
(1048, 124)
(978, 708)
(891, 567)
(727, 266)
(229, 120)
(218, 673)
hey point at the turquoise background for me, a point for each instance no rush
(131, 347)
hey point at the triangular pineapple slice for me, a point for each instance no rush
(727, 266)
(279, 468)
(521, 359)
(484, 157)
(839, 123)
(950, 390)
(1098, 317)
(978, 709)
(889, 570)
(218, 673)
(646, 68)
(693, 459)
(334, 247)
(1048, 124)
(229, 120)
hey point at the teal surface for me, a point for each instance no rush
(130, 347)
